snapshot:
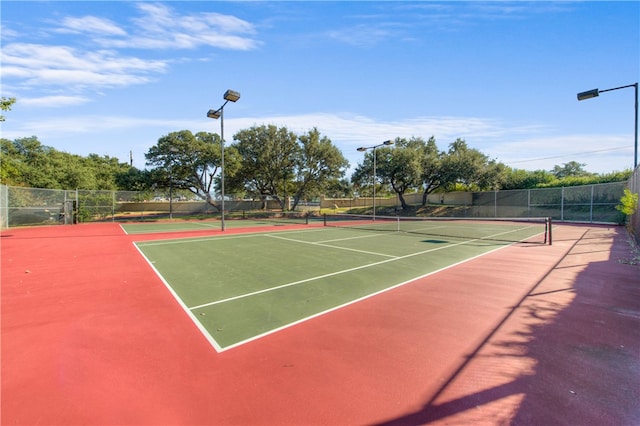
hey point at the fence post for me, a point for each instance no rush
(4, 207)
(591, 205)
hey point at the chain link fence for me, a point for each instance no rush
(589, 204)
(21, 206)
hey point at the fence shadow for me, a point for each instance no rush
(572, 357)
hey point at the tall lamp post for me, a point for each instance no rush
(232, 96)
(363, 149)
(595, 92)
(172, 150)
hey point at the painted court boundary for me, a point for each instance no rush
(190, 309)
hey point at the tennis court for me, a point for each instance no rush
(237, 288)
(92, 335)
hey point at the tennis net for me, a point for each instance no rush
(530, 230)
(271, 217)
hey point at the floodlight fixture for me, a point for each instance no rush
(595, 93)
(588, 94)
(231, 95)
(387, 143)
(214, 113)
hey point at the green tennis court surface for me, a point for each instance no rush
(240, 287)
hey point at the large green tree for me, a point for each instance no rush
(401, 166)
(27, 162)
(191, 162)
(318, 164)
(431, 173)
(268, 162)
(469, 169)
(134, 179)
(277, 163)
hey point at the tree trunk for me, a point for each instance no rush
(212, 203)
(402, 201)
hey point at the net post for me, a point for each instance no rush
(324, 219)
(549, 232)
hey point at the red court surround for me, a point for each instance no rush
(530, 334)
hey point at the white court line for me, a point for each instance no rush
(206, 225)
(207, 335)
(323, 244)
(159, 231)
(351, 238)
(193, 240)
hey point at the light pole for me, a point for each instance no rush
(232, 96)
(172, 150)
(363, 149)
(595, 92)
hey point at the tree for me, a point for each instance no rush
(191, 162)
(432, 176)
(267, 162)
(525, 179)
(339, 188)
(277, 163)
(26, 162)
(469, 168)
(134, 179)
(318, 163)
(31, 159)
(12, 170)
(572, 168)
(401, 166)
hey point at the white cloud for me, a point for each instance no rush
(360, 35)
(92, 25)
(522, 146)
(53, 101)
(359, 129)
(161, 28)
(41, 65)
(76, 68)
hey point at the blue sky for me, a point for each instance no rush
(113, 77)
